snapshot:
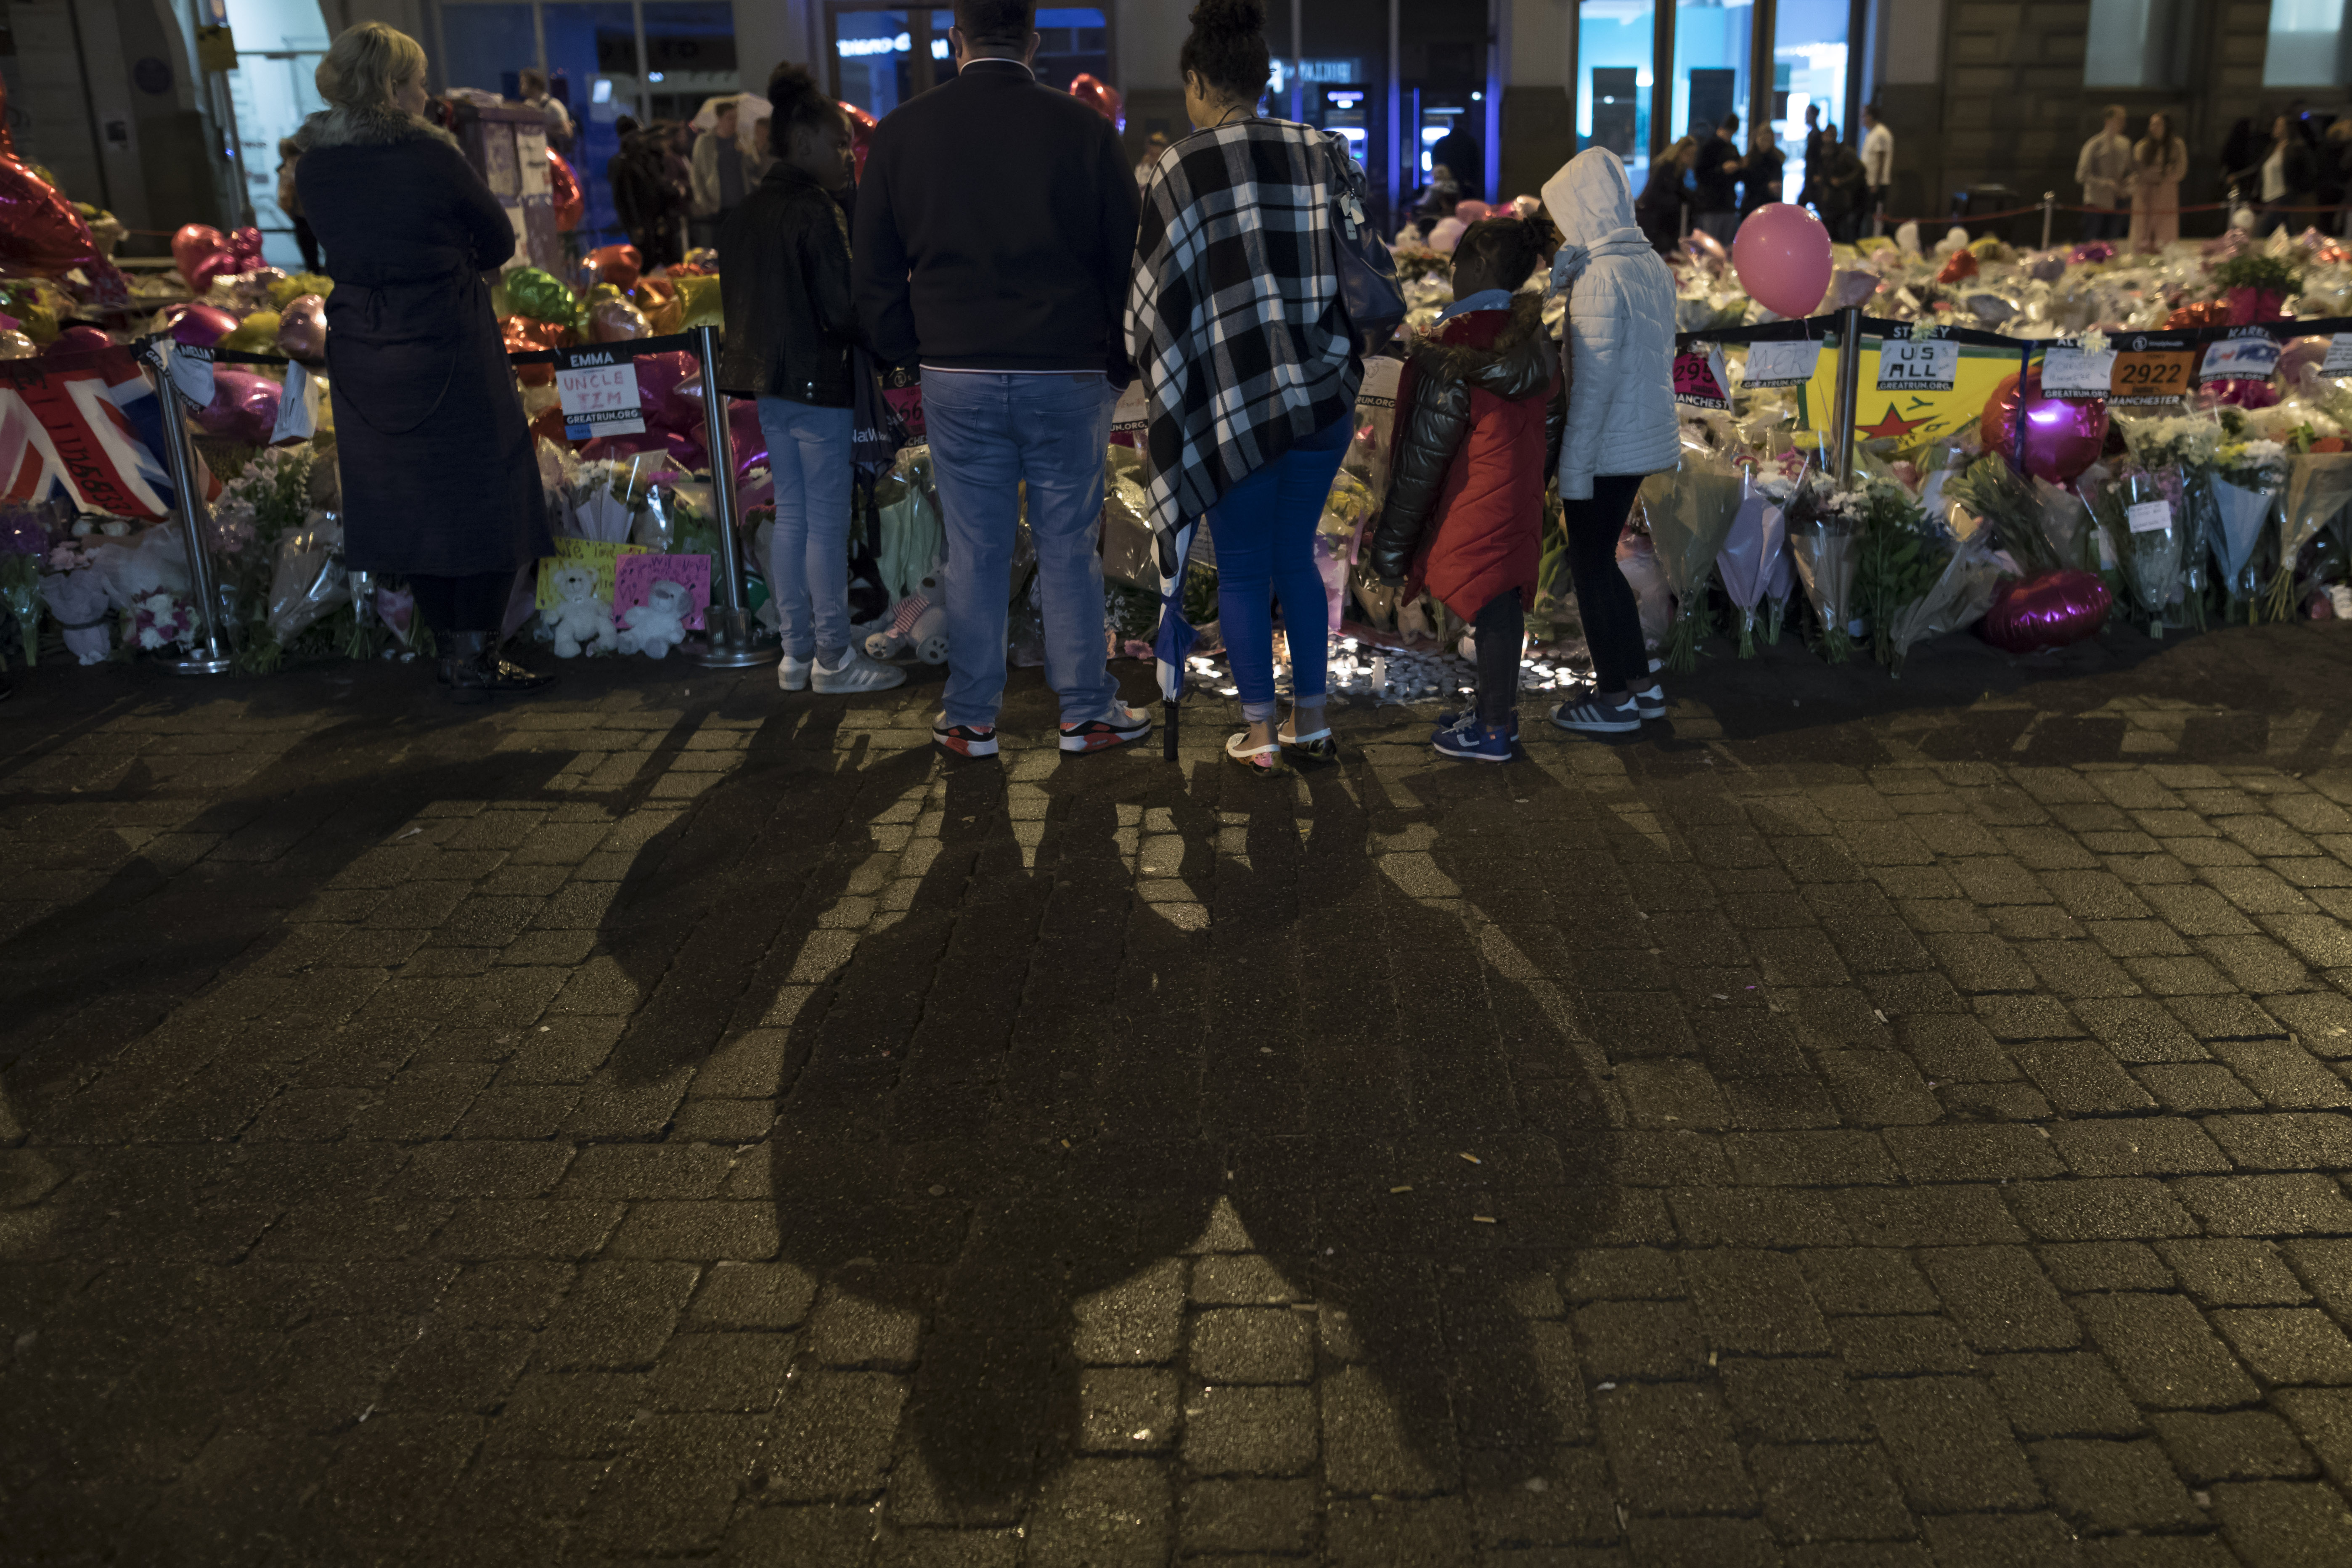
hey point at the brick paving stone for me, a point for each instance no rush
(1907, 1148)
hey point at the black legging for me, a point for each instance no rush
(1613, 622)
(1502, 629)
(473, 604)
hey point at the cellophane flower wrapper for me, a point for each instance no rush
(308, 579)
(2148, 560)
(2248, 479)
(1824, 540)
(1691, 511)
(20, 606)
(1750, 553)
(1961, 594)
(911, 535)
(2000, 496)
(2318, 486)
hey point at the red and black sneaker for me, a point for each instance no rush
(1119, 725)
(964, 739)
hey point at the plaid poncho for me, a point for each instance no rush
(1234, 319)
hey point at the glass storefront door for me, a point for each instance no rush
(1808, 56)
(1616, 52)
(882, 56)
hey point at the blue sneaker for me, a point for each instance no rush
(1471, 741)
(1448, 721)
(1593, 717)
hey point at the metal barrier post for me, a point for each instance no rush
(2049, 210)
(210, 656)
(1849, 387)
(731, 639)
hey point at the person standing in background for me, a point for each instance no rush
(2241, 151)
(2104, 169)
(2160, 159)
(289, 202)
(1715, 181)
(2286, 175)
(1459, 151)
(1761, 173)
(1877, 166)
(724, 173)
(1809, 194)
(1665, 195)
(439, 480)
(1844, 190)
(558, 119)
(791, 323)
(1002, 276)
(647, 204)
(1153, 145)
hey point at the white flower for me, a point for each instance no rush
(158, 605)
(150, 638)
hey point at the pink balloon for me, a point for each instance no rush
(193, 243)
(244, 406)
(1472, 212)
(2049, 611)
(202, 326)
(244, 244)
(1782, 256)
(221, 264)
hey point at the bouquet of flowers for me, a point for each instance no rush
(1691, 510)
(2318, 486)
(1825, 527)
(2247, 477)
(1962, 592)
(2144, 517)
(1903, 552)
(158, 619)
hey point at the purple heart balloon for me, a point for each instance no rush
(2049, 611)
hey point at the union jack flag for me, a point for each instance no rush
(88, 427)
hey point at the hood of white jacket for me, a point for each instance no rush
(1591, 200)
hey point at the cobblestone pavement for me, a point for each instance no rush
(1863, 1122)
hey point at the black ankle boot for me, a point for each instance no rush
(461, 667)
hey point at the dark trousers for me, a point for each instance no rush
(1502, 629)
(2106, 226)
(1613, 622)
(472, 603)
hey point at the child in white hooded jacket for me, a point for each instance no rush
(1618, 350)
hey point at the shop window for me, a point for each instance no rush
(1615, 47)
(2309, 44)
(2140, 43)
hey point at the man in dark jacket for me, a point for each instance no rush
(791, 324)
(1715, 180)
(995, 236)
(648, 206)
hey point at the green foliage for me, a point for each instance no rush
(2264, 274)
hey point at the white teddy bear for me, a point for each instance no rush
(658, 624)
(581, 621)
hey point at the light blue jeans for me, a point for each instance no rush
(808, 558)
(990, 432)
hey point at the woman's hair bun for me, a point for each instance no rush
(1229, 16)
(1227, 48)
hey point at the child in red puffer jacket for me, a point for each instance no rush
(1480, 409)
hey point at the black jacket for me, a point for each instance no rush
(791, 322)
(996, 229)
(643, 196)
(438, 473)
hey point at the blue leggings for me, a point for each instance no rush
(1264, 532)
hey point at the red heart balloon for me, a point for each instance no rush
(194, 243)
(244, 406)
(2049, 611)
(76, 341)
(244, 244)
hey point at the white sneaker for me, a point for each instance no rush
(856, 672)
(1653, 702)
(793, 674)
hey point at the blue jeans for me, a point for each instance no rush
(808, 558)
(1264, 532)
(988, 433)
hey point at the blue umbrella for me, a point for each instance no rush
(1176, 635)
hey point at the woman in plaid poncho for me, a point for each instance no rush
(1248, 369)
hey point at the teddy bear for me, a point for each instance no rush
(918, 622)
(658, 624)
(580, 620)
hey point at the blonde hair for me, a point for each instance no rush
(365, 64)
